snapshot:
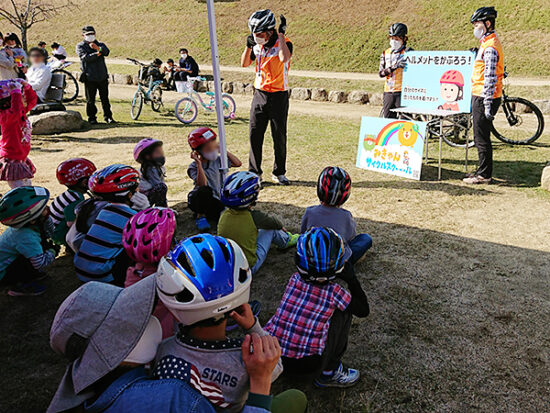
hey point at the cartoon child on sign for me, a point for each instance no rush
(452, 85)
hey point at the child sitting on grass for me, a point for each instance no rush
(149, 153)
(313, 320)
(253, 230)
(146, 238)
(333, 190)
(74, 174)
(101, 256)
(203, 281)
(25, 251)
(206, 173)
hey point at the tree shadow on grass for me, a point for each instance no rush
(87, 139)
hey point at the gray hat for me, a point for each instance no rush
(111, 320)
(88, 29)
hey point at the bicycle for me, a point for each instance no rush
(70, 87)
(186, 108)
(152, 94)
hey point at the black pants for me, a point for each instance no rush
(20, 271)
(120, 268)
(391, 100)
(269, 108)
(482, 135)
(202, 201)
(157, 195)
(91, 89)
(335, 347)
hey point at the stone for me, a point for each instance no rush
(358, 97)
(545, 178)
(376, 99)
(227, 87)
(135, 80)
(301, 93)
(238, 87)
(249, 89)
(49, 123)
(543, 105)
(210, 86)
(201, 86)
(120, 79)
(319, 94)
(337, 96)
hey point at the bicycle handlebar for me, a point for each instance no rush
(136, 62)
(200, 78)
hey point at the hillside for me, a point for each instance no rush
(329, 35)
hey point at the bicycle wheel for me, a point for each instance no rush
(455, 135)
(229, 106)
(156, 98)
(70, 88)
(186, 110)
(137, 104)
(519, 122)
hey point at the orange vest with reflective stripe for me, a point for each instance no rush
(478, 75)
(395, 79)
(271, 73)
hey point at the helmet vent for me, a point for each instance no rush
(208, 258)
(182, 260)
(243, 275)
(226, 253)
(185, 296)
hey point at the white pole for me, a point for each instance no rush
(217, 84)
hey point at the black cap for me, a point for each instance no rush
(88, 29)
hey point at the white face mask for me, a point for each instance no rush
(479, 32)
(259, 40)
(183, 56)
(210, 156)
(395, 44)
(89, 38)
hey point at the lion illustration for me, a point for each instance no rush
(408, 134)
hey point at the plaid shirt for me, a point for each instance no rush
(490, 58)
(302, 320)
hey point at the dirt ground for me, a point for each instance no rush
(457, 278)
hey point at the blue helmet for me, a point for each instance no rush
(320, 254)
(240, 189)
(203, 277)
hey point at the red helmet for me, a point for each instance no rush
(453, 77)
(71, 171)
(333, 186)
(114, 179)
(200, 136)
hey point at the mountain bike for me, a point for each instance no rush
(71, 88)
(187, 109)
(148, 90)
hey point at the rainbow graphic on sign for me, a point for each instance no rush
(406, 132)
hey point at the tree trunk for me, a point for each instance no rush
(24, 38)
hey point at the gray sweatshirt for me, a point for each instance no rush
(7, 66)
(214, 368)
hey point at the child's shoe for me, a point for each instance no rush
(202, 224)
(29, 289)
(292, 240)
(341, 377)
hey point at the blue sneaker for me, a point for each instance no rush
(29, 289)
(342, 377)
(202, 224)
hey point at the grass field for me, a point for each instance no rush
(457, 278)
(328, 35)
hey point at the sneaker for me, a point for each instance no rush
(27, 289)
(202, 224)
(292, 240)
(92, 121)
(476, 180)
(281, 180)
(341, 377)
(110, 121)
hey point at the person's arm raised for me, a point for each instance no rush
(284, 51)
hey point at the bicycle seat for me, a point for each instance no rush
(210, 93)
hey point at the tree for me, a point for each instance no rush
(23, 14)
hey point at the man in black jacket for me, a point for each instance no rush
(94, 74)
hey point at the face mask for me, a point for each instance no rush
(210, 156)
(479, 32)
(183, 56)
(259, 40)
(89, 38)
(395, 44)
(160, 160)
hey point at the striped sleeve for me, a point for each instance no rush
(41, 261)
(59, 204)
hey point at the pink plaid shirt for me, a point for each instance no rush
(302, 320)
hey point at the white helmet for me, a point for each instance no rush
(203, 277)
(261, 21)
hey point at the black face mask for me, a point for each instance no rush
(160, 161)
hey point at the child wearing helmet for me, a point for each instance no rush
(25, 251)
(253, 230)
(146, 238)
(17, 98)
(333, 190)
(313, 320)
(392, 64)
(452, 90)
(101, 256)
(205, 171)
(149, 153)
(203, 281)
(74, 174)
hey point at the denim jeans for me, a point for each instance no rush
(359, 246)
(266, 237)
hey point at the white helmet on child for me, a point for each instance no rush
(203, 277)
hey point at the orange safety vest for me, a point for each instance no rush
(271, 73)
(478, 75)
(395, 79)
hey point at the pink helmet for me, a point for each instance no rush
(148, 235)
(144, 144)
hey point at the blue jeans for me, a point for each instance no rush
(266, 237)
(359, 246)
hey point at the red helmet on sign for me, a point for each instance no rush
(453, 77)
(200, 136)
(73, 170)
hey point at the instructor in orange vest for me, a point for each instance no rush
(487, 80)
(271, 50)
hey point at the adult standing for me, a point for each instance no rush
(272, 52)
(487, 79)
(7, 62)
(94, 74)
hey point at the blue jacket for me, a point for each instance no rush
(93, 65)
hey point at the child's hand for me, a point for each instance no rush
(196, 156)
(260, 356)
(243, 316)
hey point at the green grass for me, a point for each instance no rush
(328, 35)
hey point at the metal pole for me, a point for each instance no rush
(217, 84)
